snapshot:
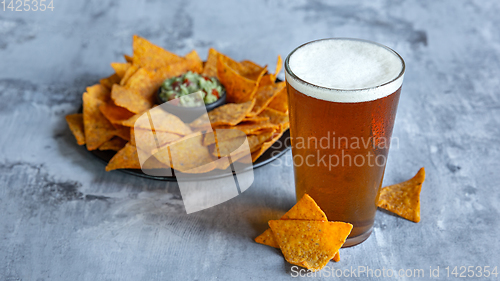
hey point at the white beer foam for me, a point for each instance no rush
(346, 70)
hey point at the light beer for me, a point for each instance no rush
(343, 95)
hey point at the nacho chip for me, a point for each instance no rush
(143, 83)
(196, 62)
(125, 158)
(75, 123)
(265, 146)
(116, 143)
(162, 121)
(108, 82)
(280, 102)
(267, 79)
(228, 146)
(99, 92)
(130, 71)
(97, 128)
(115, 114)
(122, 131)
(222, 135)
(238, 88)
(251, 70)
(120, 68)
(264, 95)
(279, 65)
(403, 198)
(129, 99)
(277, 118)
(210, 68)
(310, 244)
(228, 114)
(255, 119)
(336, 258)
(305, 209)
(141, 138)
(189, 155)
(151, 56)
(128, 58)
(253, 128)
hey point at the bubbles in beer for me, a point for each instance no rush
(353, 70)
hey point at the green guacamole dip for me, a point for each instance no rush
(206, 89)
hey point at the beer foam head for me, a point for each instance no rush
(344, 70)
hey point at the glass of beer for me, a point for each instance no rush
(343, 94)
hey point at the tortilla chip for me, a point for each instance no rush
(255, 141)
(75, 123)
(141, 139)
(189, 155)
(210, 68)
(255, 119)
(196, 62)
(143, 82)
(125, 158)
(265, 146)
(267, 238)
(122, 132)
(310, 244)
(267, 79)
(277, 118)
(151, 56)
(264, 95)
(305, 209)
(280, 101)
(403, 198)
(115, 114)
(120, 68)
(229, 146)
(222, 135)
(251, 70)
(98, 129)
(254, 128)
(224, 163)
(336, 258)
(116, 143)
(128, 58)
(99, 92)
(238, 88)
(279, 65)
(130, 71)
(108, 82)
(129, 99)
(162, 121)
(228, 114)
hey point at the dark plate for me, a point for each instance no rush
(279, 148)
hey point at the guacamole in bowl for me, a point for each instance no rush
(191, 90)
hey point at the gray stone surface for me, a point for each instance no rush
(62, 217)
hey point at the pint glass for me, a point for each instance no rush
(343, 95)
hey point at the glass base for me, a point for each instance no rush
(353, 241)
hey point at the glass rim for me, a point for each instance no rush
(290, 72)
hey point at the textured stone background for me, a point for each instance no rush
(62, 217)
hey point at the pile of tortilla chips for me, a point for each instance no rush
(257, 106)
(305, 236)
